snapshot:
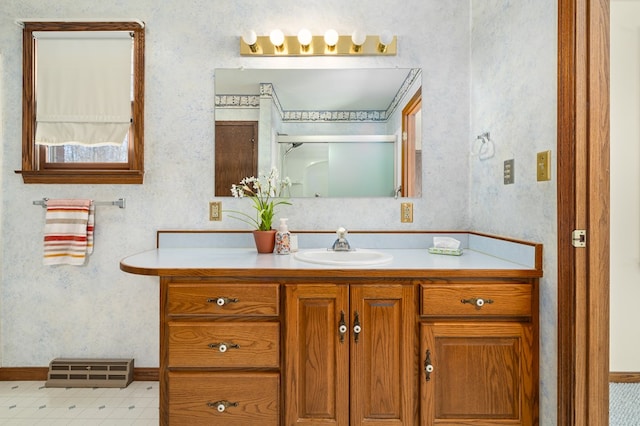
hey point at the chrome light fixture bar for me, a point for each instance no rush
(329, 44)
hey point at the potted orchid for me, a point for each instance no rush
(265, 191)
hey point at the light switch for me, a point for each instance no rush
(509, 172)
(406, 212)
(543, 166)
(215, 210)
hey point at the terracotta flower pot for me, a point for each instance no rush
(265, 240)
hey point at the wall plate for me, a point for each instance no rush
(215, 210)
(406, 212)
(543, 166)
(509, 172)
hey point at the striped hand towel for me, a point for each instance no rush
(68, 232)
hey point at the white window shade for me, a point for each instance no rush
(83, 90)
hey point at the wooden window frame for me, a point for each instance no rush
(33, 169)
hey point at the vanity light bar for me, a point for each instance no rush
(291, 46)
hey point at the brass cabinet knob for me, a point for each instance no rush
(356, 327)
(428, 367)
(476, 301)
(342, 327)
(221, 301)
(223, 347)
(221, 406)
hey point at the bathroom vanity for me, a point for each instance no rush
(265, 339)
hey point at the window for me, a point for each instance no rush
(53, 154)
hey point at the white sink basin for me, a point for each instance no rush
(356, 257)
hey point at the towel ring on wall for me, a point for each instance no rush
(483, 146)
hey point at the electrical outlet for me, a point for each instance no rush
(406, 212)
(543, 163)
(215, 210)
(509, 172)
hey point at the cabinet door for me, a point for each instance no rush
(383, 366)
(477, 373)
(316, 357)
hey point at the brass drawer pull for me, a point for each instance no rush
(221, 301)
(477, 302)
(223, 347)
(221, 406)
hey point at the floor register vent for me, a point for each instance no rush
(89, 373)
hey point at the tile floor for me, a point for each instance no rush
(30, 403)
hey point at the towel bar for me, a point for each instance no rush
(120, 202)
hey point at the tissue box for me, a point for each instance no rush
(447, 251)
(446, 245)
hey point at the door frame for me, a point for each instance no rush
(408, 185)
(583, 203)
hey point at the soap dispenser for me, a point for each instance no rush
(283, 238)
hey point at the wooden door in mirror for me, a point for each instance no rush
(236, 153)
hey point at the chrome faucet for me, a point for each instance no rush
(341, 243)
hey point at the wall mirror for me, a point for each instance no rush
(333, 132)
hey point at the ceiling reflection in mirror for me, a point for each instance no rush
(333, 132)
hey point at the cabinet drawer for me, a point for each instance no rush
(223, 299)
(224, 344)
(200, 398)
(476, 300)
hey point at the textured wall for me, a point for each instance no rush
(97, 310)
(513, 96)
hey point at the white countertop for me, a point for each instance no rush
(211, 253)
(202, 259)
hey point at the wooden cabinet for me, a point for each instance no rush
(252, 339)
(340, 351)
(220, 353)
(478, 344)
(350, 354)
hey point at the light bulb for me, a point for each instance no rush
(250, 37)
(331, 38)
(386, 38)
(277, 38)
(358, 37)
(304, 37)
